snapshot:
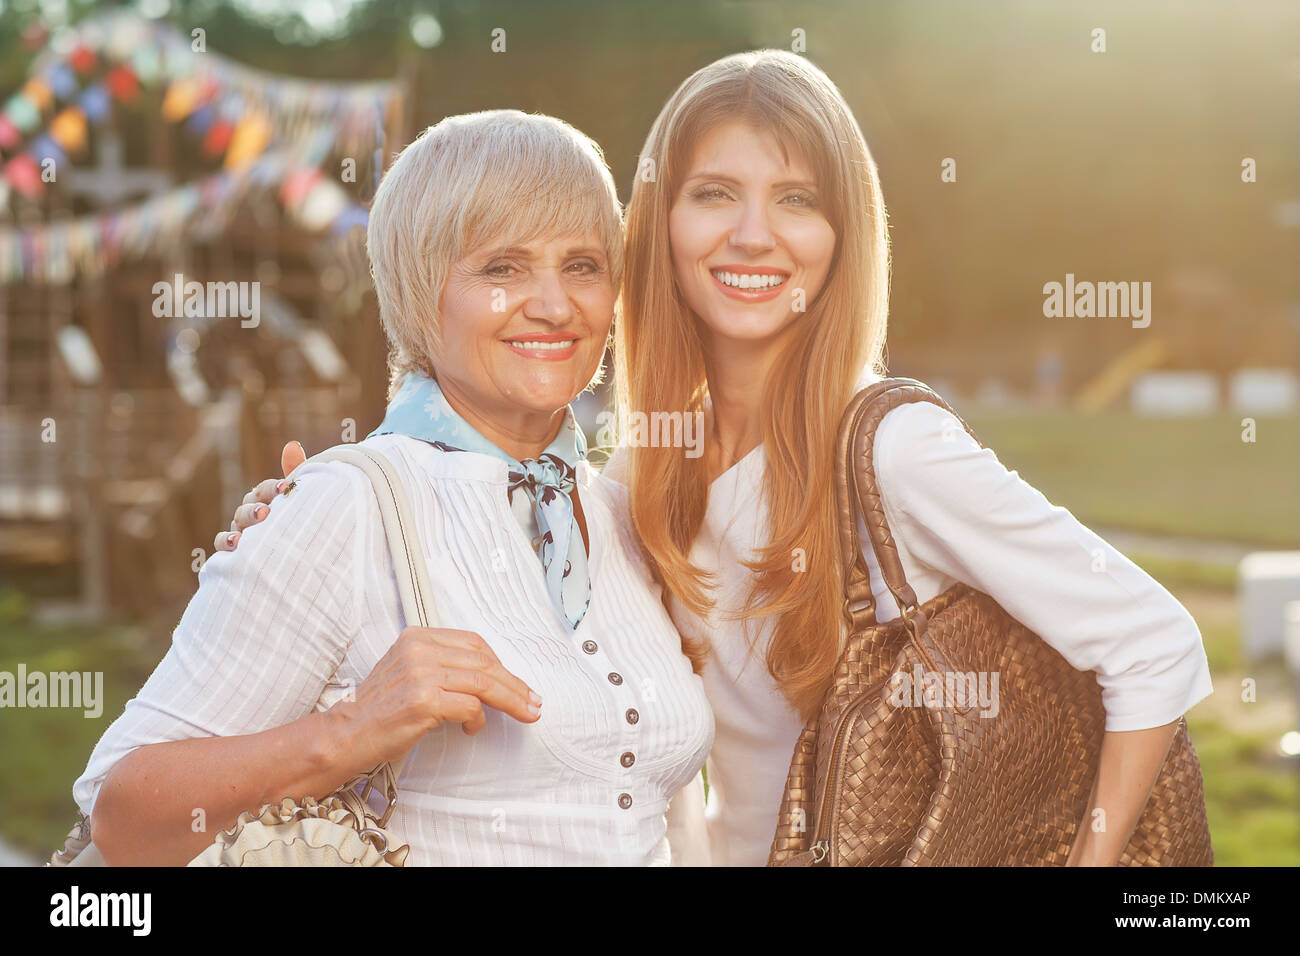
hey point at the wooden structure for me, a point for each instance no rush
(126, 438)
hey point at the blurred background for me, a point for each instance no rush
(1019, 143)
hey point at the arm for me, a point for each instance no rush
(219, 776)
(1130, 762)
(957, 509)
(226, 721)
(229, 720)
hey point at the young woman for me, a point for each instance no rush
(756, 294)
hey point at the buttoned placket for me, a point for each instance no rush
(623, 793)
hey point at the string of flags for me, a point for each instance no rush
(59, 252)
(238, 114)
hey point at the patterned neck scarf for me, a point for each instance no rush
(539, 488)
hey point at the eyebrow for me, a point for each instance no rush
(724, 178)
(520, 252)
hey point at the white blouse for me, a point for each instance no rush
(957, 514)
(307, 605)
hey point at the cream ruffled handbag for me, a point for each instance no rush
(343, 829)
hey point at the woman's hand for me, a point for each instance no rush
(428, 677)
(256, 503)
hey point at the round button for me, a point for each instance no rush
(632, 715)
(589, 647)
(625, 800)
(615, 678)
(627, 759)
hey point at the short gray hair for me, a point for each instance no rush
(463, 182)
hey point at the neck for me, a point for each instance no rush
(737, 374)
(521, 433)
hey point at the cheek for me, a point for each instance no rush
(818, 243)
(598, 306)
(468, 321)
(683, 236)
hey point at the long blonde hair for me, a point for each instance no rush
(660, 366)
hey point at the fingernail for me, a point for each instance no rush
(532, 695)
(279, 485)
(533, 710)
(262, 511)
(231, 538)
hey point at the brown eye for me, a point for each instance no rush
(709, 194)
(805, 200)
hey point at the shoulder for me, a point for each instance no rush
(923, 451)
(616, 469)
(916, 432)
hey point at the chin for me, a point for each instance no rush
(747, 327)
(546, 395)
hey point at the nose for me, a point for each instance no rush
(549, 300)
(751, 233)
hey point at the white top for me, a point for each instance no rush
(308, 604)
(957, 514)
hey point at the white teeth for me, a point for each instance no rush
(544, 346)
(748, 280)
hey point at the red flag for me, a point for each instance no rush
(122, 83)
(24, 175)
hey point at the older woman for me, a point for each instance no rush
(496, 251)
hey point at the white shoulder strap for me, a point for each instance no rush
(399, 527)
(403, 538)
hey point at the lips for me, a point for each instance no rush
(749, 283)
(546, 346)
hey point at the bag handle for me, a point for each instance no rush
(414, 587)
(856, 445)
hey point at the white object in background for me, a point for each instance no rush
(1291, 636)
(1175, 393)
(1264, 391)
(1266, 581)
(321, 355)
(185, 375)
(992, 392)
(79, 355)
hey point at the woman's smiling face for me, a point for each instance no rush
(524, 328)
(751, 246)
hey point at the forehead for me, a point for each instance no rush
(738, 147)
(570, 243)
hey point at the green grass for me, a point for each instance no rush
(1191, 477)
(42, 751)
(1252, 797)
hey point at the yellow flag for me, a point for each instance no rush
(251, 135)
(181, 99)
(68, 129)
(40, 94)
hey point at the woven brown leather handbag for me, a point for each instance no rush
(872, 783)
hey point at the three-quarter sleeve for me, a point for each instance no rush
(955, 507)
(265, 631)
